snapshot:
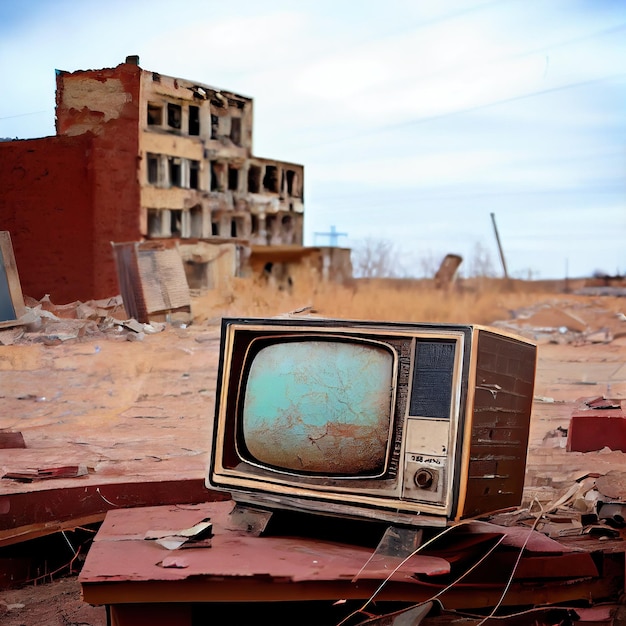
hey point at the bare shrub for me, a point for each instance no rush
(480, 263)
(377, 258)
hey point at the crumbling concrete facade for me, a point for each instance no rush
(138, 156)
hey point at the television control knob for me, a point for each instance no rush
(423, 478)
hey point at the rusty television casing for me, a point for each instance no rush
(419, 424)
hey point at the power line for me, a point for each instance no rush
(517, 55)
(10, 117)
(471, 109)
(417, 195)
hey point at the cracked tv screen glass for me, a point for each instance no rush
(319, 407)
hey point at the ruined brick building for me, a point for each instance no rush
(136, 156)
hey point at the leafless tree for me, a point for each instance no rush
(480, 264)
(377, 258)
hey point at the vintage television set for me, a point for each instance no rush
(410, 423)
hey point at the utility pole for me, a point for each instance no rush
(333, 236)
(495, 229)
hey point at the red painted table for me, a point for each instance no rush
(246, 579)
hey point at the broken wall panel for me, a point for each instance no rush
(152, 281)
(11, 297)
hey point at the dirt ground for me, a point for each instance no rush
(144, 409)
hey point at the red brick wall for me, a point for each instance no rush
(46, 205)
(116, 195)
(64, 199)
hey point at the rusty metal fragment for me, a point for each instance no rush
(31, 475)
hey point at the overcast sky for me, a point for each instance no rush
(414, 119)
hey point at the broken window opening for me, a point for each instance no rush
(195, 215)
(233, 228)
(254, 179)
(194, 120)
(154, 223)
(215, 229)
(270, 180)
(270, 225)
(153, 168)
(233, 178)
(194, 174)
(215, 125)
(155, 114)
(174, 115)
(291, 179)
(288, 231)
(156, 77)
(235, 130)
(176, 223)
(254, 225)
(215, 179)
(175, 172)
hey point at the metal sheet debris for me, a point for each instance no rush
(48, 473)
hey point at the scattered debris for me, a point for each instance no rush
(10, 336)
(31, 475)
(612, 485)
(9, 439)
(566, 323)
(594, 505)
(51, 324)
(174, 561)
(198, 536)
(556, 438)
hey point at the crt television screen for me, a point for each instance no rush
(414, 423)
(318, 406)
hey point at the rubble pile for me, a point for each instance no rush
(564, 322)
(594, 505)
(51, 324)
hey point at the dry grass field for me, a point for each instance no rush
(475, 301)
